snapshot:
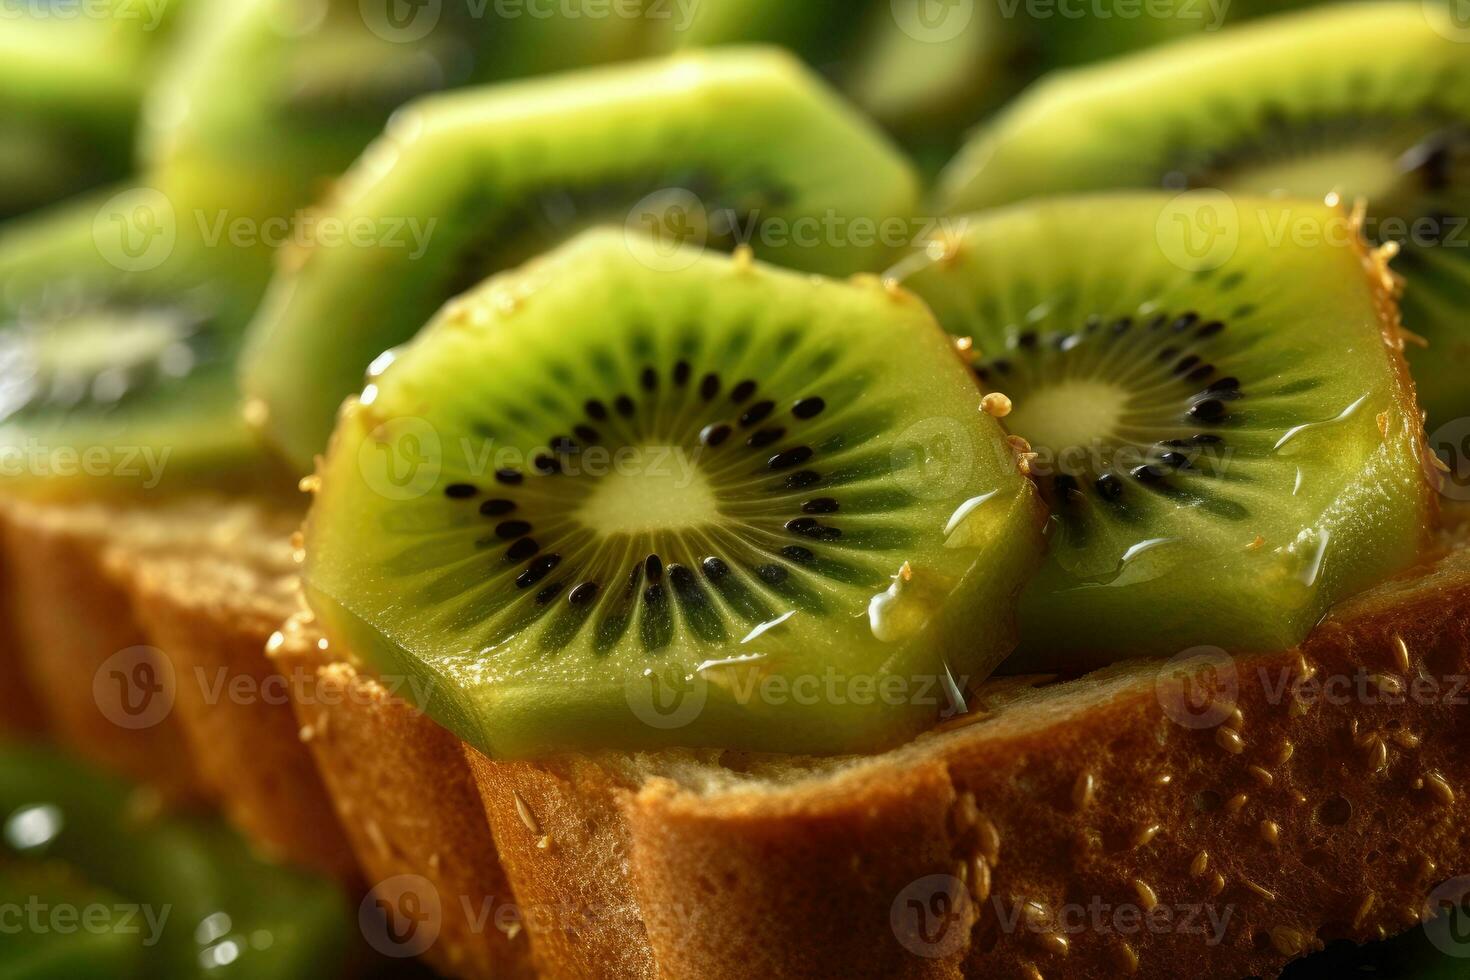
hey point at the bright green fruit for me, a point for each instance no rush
(46, 936)
(209, 907)
(631, 496)
(743, 145)
(1370, 102)
(1228, 437)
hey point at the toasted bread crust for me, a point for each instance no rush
(404, 794)
(70, 618)
(1262, 835)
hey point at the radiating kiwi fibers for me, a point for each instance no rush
(719, 471)
(1369, 102)
(1227, 449)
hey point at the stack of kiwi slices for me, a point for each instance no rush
(632, 496)
(1370, 102)
(744, 145)
(71, 86)
(1226, 434)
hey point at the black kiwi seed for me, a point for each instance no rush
(773, 574)
(756, 413)
(808, 408)
(788, 458)
(460, 491)
(596, 410)
(742, 391)
(521, 550)
(1185, 321)
(625, 406)
(546, 465)
(583, 594)
(649, 379)
(537, 570)
(713, 435)
(709, 387)
(565, 445)
(587, 434)
(653, 565)
(1109, 486)
(1209, 410)
(765, 437)
(821, 505)
(549, 593)
(801, 525)
(681, 373)
(509, 477)
(714, 568)
(797, 553)
(510, 530)
(497, 506)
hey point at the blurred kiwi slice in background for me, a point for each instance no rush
(72, 81)
(627, 478)
(1368, 101)
(741, 145)
(1227, 437)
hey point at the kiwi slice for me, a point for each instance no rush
(118, 378)
(609, 502)
(1369, 101)
(743, 144)
(71, 87)
(1227, 447)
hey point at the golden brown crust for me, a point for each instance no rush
(403, 791)
(20, 712)
(87, 659)
(1077, 811)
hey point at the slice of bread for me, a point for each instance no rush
(1104, 826)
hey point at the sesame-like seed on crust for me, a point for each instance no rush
(1147, 897)
(1200, 864)
(1056, 944)
(1164, 778)
(1217, 884)
(989, 840)
(1387, 684)
(1263, 892)
(1365, 908)
(1263, 776)
(1298, 708)
(1288, 942)
(1236, 803)
(1401, 654)
(996, 405)
(1146, 834)
(544, 844)
(979, 879)
(1285, 752)
(1229, 740)
(1271, 832)
(1406, 740)
(1236, 719)
(1378, 754)
(1031, 972)
(1082, 790)
(306, 734)
(1439, 788)
(1126, 957)
(527, 817)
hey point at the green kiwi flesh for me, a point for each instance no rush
(722, 146)
(51, 954)
(623, 476)
(71, 88)
(118, 380)
(1370, 101)
(1227, 447)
